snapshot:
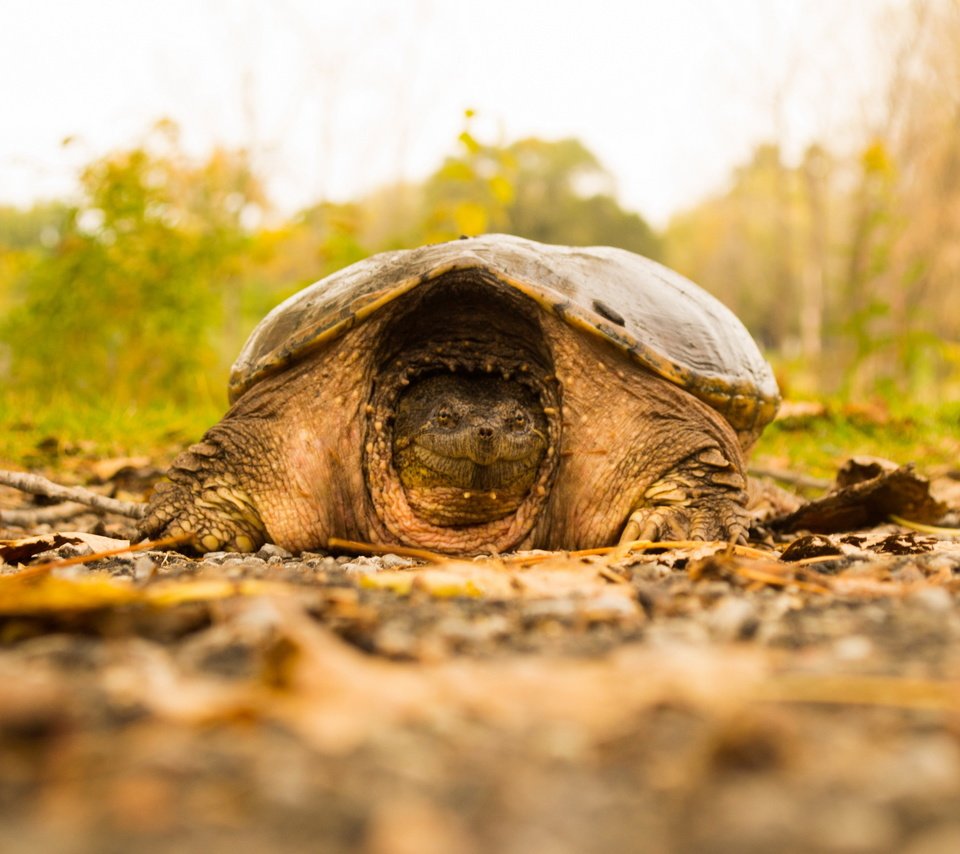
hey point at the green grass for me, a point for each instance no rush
(36, 432)
(818, 444)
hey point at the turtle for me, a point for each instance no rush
(478, 396)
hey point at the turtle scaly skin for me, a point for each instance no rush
(480, 396)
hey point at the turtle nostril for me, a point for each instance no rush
(485, 432)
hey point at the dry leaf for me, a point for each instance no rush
(865, 503)
(23, 549)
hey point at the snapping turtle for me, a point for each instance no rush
(480, 395)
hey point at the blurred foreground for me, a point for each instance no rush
(799, 696)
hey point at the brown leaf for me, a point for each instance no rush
(903, 544)
(812, 545)
(861, 468)
(901, 492)
(18, 551)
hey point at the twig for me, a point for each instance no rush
(621, 551)
(42, 515)
(773, 580)
(37, 485)
(611, 575)
(376, 548)
(851, 689)
(793, 478)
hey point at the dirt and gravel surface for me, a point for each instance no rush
(697, 699)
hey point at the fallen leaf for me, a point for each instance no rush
(52, 595)
(20, 550)
(95, 541)
(865, 503)
(812, 545)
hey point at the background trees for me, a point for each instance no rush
(843, 261)
(846, 265)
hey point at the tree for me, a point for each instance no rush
(127, 301)
(552, 191)
(741, 246)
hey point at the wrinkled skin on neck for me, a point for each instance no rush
(467, 449)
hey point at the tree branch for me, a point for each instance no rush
(42, 515)
(37, 485)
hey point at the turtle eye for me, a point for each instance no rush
(444, 417)
(519, 421)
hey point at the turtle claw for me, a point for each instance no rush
(717, 518)
(219, 518)
(701, 499)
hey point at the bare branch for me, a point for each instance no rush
(42, 515)
(37, 485)
(804, 481)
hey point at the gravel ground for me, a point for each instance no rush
(693, 700)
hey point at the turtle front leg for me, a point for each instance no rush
(205, 501)
(702, 498)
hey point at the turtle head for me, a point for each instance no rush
(468, 448)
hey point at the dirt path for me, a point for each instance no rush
(687, 701)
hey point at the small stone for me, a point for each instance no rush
(392, 561)
(144, 567)
(548, 609)
(76, 571)
(936, 600)
(269, 550)
(363, 565)
(732, 619)
(853, 648)
(610, 607)
(74, 550)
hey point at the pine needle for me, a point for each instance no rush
(925, 529)
(377, 549)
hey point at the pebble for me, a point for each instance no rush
(71, 571)
(678, 631)
(458, 630)
(733, 618)
(937, 600)
(610, 607)
(550, 609)
(853, 648)
(144, 567)
(850, 827)
(363, 565)
(269, 550)
(73, 550)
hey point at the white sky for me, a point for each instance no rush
(334, 97)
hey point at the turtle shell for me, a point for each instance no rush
(665, 322)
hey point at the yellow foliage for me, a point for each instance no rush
(52, 595)
(876, 159)
(471, 218)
